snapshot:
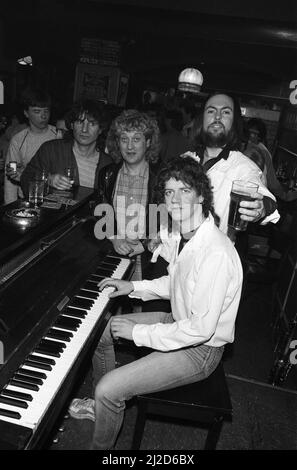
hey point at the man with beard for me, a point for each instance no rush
(218, 140)
(220, 136)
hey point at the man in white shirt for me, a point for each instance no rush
(25, 143)
(204, 285)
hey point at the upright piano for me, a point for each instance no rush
(51, 316)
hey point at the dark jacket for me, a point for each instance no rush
(106, 186)
(53, 157)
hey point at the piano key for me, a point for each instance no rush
(75, 312)
(46, 351)
(42, 399)
(10, 414)
(58, 334)
(104, 272)
(25, 385)
(55, 344)
(81, 303)
(13, 402)
(87, 294)
(41, 359)
(96, 278)
(26, 378)
(37, 365)
(91, 285)
(16, 394)
(32, 373)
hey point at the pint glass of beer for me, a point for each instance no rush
(241, 191)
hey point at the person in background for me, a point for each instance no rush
(203, 282)
(256, 136)
(24, 144)
(81, 150)
(173, 142)
(133, 141)
(61, 127)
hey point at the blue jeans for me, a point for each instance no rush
(154, 372)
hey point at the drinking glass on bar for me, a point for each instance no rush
(36, 192)
(241, 191)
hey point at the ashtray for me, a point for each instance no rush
(23, 217)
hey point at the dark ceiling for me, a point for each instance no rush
(245, 46)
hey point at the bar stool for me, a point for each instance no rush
(207, 401)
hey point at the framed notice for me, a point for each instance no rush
(108, 84)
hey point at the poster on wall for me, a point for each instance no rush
(95, 86)
(108, 84)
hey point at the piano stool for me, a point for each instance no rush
(207, 401)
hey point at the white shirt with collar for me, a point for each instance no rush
(204, 286)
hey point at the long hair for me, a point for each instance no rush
(235, 135)
(190, 172)
(133, 120)
(89, 108)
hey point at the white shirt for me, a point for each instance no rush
(204, 286)
(22, 148)
(236, 167)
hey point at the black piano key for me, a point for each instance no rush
(69, 320)
(37, 365)
(93, 286)
(113, 259)
(58, 334)
(81, 303)
(88, 294)
(96, 278)
(19, 395)
(26, 378)
(61, 324)
(58, 345)
(26, 385)
(32, 373)
(75, 312)
(42, 360)
(46, 351)
(13, 402)
(104, 272)
(108, 264)
(10, 414)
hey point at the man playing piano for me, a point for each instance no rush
(204, 285)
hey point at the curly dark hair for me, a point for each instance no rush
(133, 120)
(93, 109)
(235, 136)
(190, 172)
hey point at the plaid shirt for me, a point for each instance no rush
(130, 199)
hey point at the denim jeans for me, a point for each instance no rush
(154, 372)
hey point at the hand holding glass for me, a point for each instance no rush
(241, 191)
(70, 173)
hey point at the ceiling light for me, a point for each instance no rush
(190, 80)
(25, 60)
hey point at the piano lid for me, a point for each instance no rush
(14, 240)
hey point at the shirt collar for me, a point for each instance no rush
(223, 155)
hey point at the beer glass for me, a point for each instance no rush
(241, 191)
(36, 192)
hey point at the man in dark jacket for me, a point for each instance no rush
(80, 151)
(133, 142)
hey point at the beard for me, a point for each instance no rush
(211, 140)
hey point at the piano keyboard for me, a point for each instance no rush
(27, 396)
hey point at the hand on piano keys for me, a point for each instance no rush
(122, 287)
